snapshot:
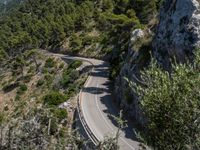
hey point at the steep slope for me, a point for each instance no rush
(176, 36)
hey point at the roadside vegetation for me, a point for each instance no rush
(170, 103)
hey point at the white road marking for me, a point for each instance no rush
(96, 98)
(88, 81)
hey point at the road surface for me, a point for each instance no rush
(96, 105)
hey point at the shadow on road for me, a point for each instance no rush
(94, 90)
(104, 94)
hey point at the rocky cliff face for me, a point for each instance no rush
(134, 61)
(177, 34)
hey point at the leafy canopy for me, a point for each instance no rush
(171, 104)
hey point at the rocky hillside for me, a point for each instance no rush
(176, 36)
(38, 101)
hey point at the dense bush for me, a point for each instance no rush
(75, 64)
(171, 105)
(61, 114)
(49, 79)
(70, 74)
(50, 63)
(75, 43)
(54, 98)
(40, 82)
(22, 89)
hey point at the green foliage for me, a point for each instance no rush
(54, 98)
(50, 63)
(1, 118)
(121, 20)
(27, 78)
(22, 89)
(75, 64)
(61, 114)
(17, 97)
(46, 24)
(75, 42)
(3, 54)
(69, 76)
(61, 66)
(18, 65)
(40, 82)
(171, 105)
(146, 9)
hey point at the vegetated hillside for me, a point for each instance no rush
(33, 91)
(89, 28)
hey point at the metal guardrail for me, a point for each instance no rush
(90, 134)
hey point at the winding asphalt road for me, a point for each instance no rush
(96, 105)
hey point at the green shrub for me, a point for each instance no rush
(6, 108)
(49, 79)
(17, 97)
(31, 69)
(45, 70)
(61, 65)
(88, 40)
(65, 80)
(72, 89)
(22, 89)
(69, 76)
(50, 63)
(171, 105)
(54, 127)
(63, 132)
(75, 42)
(1, 117)
(61, 114)
(27, 78)
(40, 82)
(75, 64)
(54, 98)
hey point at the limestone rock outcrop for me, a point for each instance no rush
(178, 32)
